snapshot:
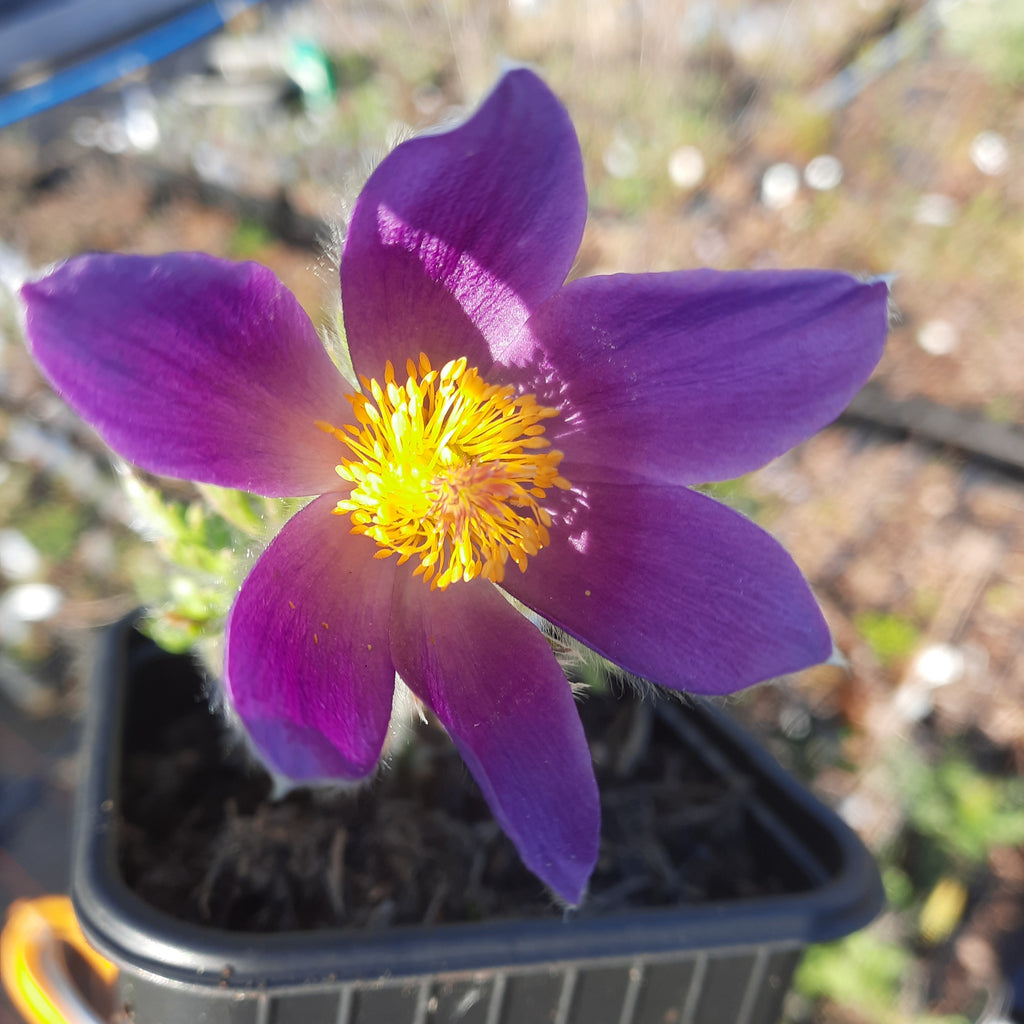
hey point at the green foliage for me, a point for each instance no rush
(207, 546)
(249, 240)
(737, 494)
(954, 813)
(368, 110)
(899, 887)
(864, 972)
(807, 129)
(891, 637)
(54, 529)
(350, 70)
(190, 613)
(960, 809)
(244, 512)
(991, 34)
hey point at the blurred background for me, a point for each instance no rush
(873, 136)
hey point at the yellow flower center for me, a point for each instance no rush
(450, 470)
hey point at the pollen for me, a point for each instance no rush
(450, 471)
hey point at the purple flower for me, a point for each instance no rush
(515, 436)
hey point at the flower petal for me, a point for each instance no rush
(703, 375)
(675, 587)
(307, 662)
(465, 232)
(491, 679)
(192, 367)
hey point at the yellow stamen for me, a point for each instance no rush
(449, 470)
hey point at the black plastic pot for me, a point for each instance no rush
(726, 962)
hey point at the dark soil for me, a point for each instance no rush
(203, 839)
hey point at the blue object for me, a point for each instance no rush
(66, 48)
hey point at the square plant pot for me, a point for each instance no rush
(722, 954)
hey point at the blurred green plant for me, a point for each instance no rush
(953, 814)
(957, 807)
(738, 494)
(207, 545)
(990, 34)
(865, 972)
(248, 240)
(891, 637)
(801, 129)
(54, 528)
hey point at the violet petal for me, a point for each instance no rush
(307, 663)
(458, 237)
(491, 679)
(703, 375)
(674, 587)
(193, 367)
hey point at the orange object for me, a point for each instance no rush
(35, 962)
